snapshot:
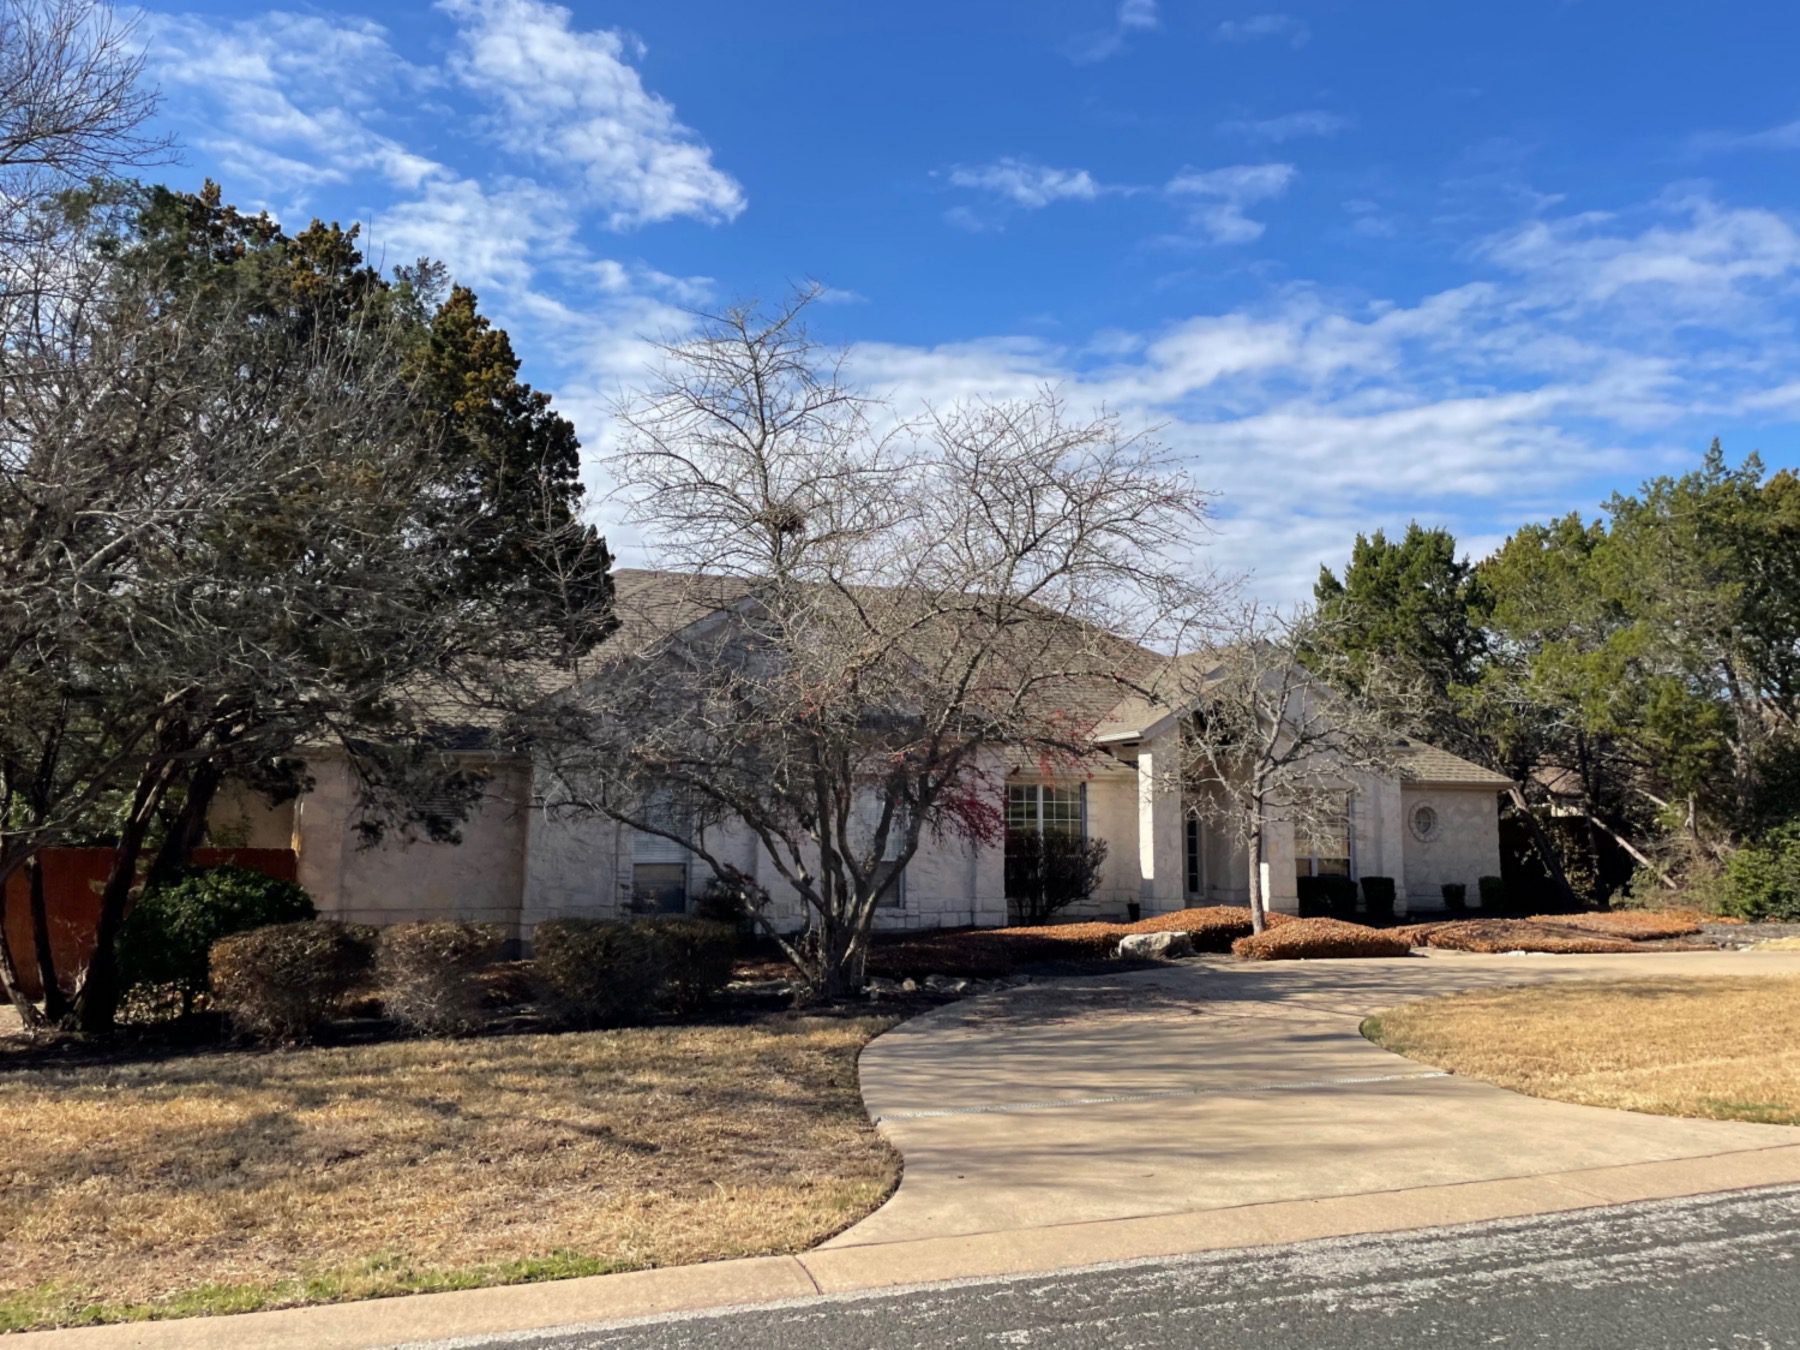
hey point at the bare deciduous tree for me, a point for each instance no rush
(73, 105)
(1269, 740)
(878, 618)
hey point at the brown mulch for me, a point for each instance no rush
(985, 953)
(1316, 939)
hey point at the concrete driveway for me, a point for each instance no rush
(1213, 1085)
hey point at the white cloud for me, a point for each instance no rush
(1496, 400)
(1133, 16)
(289, 100)
(1263, 27)
(1691, 265)
(1025, 183)
(1784, 136)
(1216, 198)
(569, 98)
(1288, 126)
(1138, 14)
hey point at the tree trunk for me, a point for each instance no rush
(96, 1003)
(188, 830)
(1258, 907)
(56, 1004)
(1558, 877)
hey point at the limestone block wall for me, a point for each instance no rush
(1464, 847)
(479, 880)
(241, 818)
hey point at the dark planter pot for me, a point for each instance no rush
(1341, 898)
(1315, 899)
(1378, 897)
(1133, 911)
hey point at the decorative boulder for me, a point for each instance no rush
(1158, 946)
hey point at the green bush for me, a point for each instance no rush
(596, 972)
(429, 973)
(1378, 897)
(1456, 895)
(1762, 880)
(283, 982)
(169, 935)
(1492, 891)
(603, 972)
(696, 960)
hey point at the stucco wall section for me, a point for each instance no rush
(1465, 848)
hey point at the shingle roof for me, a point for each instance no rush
(1423, 763)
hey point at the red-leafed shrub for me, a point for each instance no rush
(1314, 939)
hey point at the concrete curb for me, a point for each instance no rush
(875, 1266)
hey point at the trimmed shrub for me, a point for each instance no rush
(1492, 891)
(430, 973)
(1762, 880)
(1315, 897)
(1516, 935)
(1456, 895)
(1378, 897)
(695, 961)
(596, 972)
(1316, 939)
(282, 982)
(168, 938)
(1636, 925)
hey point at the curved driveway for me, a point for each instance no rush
(1213, 1085)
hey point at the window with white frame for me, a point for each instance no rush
(1328, 850)
(1044, 808)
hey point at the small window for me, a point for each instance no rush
(659, 888)
(1193, 855)
(1425, 823)
(1329, 851)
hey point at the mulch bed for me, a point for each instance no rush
(989, 953)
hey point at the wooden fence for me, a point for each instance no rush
(72, 881)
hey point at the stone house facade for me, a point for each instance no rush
(521, 861)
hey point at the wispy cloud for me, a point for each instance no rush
(1215, 199)
(1288, 126)
(1133, 16)
(1026, 183)
(569, 98)
(1264, 27)
(1784, 136)
(1484, 401)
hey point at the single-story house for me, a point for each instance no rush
(522, 861)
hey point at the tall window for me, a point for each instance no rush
(1328, 851)
(1040, 808)
(659, 866)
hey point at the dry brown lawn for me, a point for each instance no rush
(1721, 1049)
(224, 1182)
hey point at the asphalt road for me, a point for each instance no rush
(1718, 1271)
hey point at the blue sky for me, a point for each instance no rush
(1359, 262)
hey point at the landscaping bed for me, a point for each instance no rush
(1320, 939)
(1716, 1048)
(229, 1181)
(1564, 934)
(989, 953)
